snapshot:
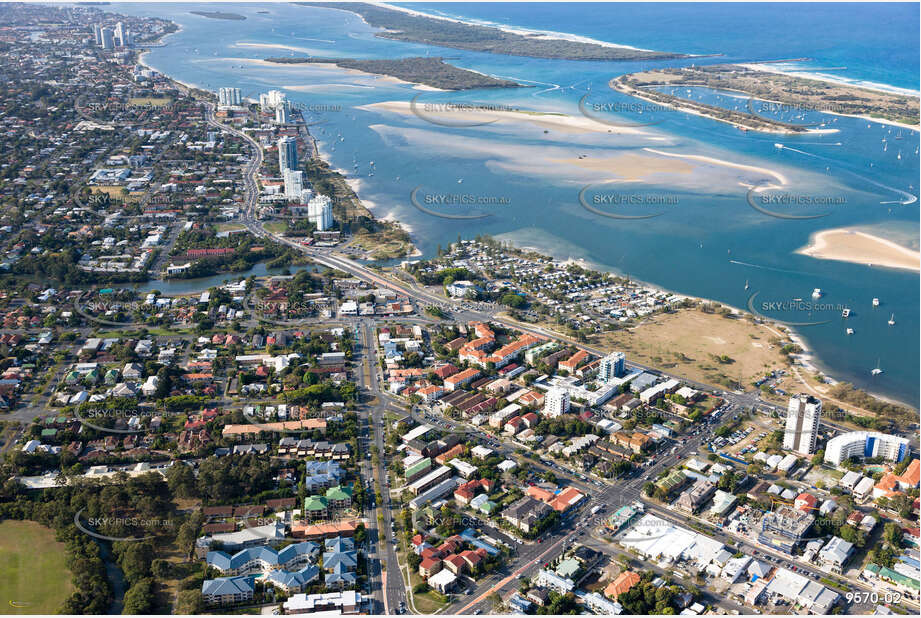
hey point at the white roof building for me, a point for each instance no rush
(481, 452)
(465, 469)
(442, 581)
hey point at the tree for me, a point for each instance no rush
(161, 568)
(189, 602)
(181, 480)
(135, 559)
(649, 489)
(892, 534)
(140, 598)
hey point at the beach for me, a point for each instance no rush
(780, 178)
(848, 245)
(468, 117)
(630, 166)
(536, 34)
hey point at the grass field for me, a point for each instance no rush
(230, 227)
(150, 101)
(276, 227)
(33, 579)
(688, 343)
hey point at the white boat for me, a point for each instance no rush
(746, 284)
(876, 371)
(892, 320)
(778, 146)
(817, 293)
(845, 313)
(849, 331)
(876, 302)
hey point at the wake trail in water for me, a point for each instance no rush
(771, 268)
(907, 198)
(802, 152)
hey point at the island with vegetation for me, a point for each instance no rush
(770, 92)
(219, 15)
(401, 26)
(433, 72)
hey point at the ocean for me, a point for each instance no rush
(541, 183)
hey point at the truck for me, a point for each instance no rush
(595, 509)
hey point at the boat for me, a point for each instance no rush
(849, 331)
(845, 313)
(817, 293)
(892, 320)
(876, 371)
(876, 302)
(778, 146)
(746, 284)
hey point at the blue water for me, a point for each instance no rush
(709, 241)
(877, 42)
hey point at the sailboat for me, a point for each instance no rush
(892, 320)
(746, 284)
(876, 371)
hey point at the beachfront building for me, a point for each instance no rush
(864, 444)
(802, 426)
(287, 154)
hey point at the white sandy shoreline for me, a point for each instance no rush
(857, 247)
(543, 34)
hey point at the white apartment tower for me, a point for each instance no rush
(229, 96)
(294, 184)
(320, 212)
(281, 114)
(272, 99)
(612, 366)
(97, 34)
(287, 154)
(108, 42)
(802, 427)
(556, 402)
(120, 37)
